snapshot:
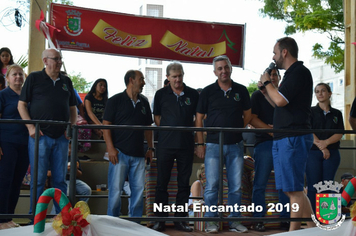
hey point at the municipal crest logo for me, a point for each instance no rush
(64, 87)
(237, 97)
(143, 110)
(335, 119)
(187, 101)
(73, 26)
(328, 206)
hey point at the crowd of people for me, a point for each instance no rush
(48, 95)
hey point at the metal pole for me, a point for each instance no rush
(35, 170)
(37, 41)
(221, 168)
(73, 164)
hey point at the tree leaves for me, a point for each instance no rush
(322, 16)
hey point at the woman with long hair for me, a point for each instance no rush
(324, 156)
(94, 104)
(6, 60)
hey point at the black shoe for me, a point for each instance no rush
(182, 226)
(285, 225)
(259, 226)
(159, 226)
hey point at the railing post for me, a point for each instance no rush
(73, 165)
(221, 172)
(35, 170)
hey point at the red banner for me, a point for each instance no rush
(90, 30)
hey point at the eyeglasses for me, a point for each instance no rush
(56, 59)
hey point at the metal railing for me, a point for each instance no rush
(220, 130)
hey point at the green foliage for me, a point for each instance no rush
(65, 2)
(252, 87)
(79, 83)
(22, 61)
(322, 16)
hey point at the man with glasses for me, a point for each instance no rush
(51, 97)
(174, 105)
(226, 104)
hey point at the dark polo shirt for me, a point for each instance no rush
(332, 120)
(224, 111)
(264, 110)
(48, 100)
(297, 88)
(119, 110)
(176, 111)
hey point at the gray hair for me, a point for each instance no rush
(221, 58)
(174, 65)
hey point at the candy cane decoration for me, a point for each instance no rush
(348, 192)
(42, 205)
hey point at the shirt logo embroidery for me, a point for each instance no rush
(143, 110)
(335, 119)
(187, 101)
(237, 97)
(64, 87)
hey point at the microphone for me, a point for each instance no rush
(270, 68)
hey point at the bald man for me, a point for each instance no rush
(52, 97)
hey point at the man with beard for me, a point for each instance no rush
(262, 117)
(126, 146)
(292, 111)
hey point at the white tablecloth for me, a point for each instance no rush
(99, 226)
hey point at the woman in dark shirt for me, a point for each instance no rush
(14, 158)
(94, 104)
(324, 156)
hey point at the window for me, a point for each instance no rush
(153, 81)
(154, 10)
(331, 84)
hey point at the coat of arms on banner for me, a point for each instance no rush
(73, 26)
(328, 206)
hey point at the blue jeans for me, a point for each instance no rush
(318, 169)
(233, 160)
(263, 167)
(52, 155)
(290, 157)
(13, 166)
(81, 188)
(134, 168)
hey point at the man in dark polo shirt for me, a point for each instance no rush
(174, 105)
(51, 97)
(262, 117)
(292, 111)
(125, 146)
(226, 104)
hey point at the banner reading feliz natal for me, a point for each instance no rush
(90, 30)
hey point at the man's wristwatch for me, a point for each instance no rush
(266, 83)
(151, 148)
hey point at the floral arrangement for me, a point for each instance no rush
(72, 222)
